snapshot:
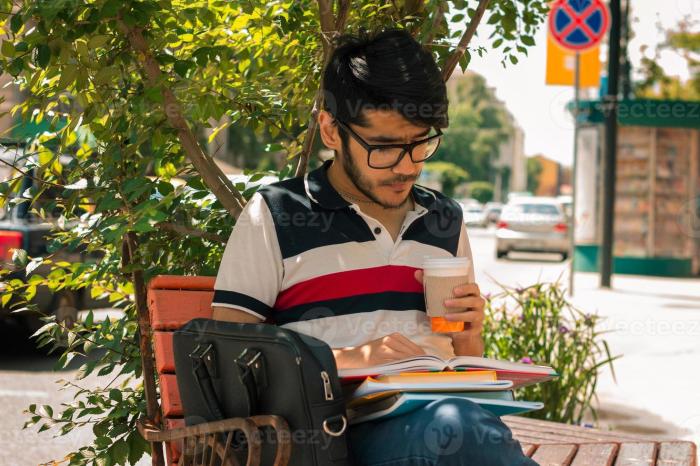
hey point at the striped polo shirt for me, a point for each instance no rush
(302, 257)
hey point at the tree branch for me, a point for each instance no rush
(464, 41)
(187, 231)
(439, 15)
(211, 174)
(329, 29)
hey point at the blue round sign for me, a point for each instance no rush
(578, 24)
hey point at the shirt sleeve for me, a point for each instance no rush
(250, 273)
(464, 250)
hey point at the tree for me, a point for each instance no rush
(127, 86)
(685, 40)
(534, 170)
(478, 125)
(482, 191)
(450, 175)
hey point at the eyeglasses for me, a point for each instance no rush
(389, 155)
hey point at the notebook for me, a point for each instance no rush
(499, 403)
(372, 389)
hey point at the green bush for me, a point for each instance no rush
(482, 191)
(538, 325)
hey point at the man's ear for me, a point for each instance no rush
(329, 131)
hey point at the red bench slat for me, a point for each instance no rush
(677, 454)
(637, 454)
(163, 346)
(554, 455)
(170, 396)
(182, 282)
(171, 309)
(595, 454)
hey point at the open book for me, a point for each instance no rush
(518, 373)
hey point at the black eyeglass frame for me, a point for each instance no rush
(407, 148)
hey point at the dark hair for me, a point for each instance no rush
(384, 70)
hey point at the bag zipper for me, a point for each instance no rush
(327, 388)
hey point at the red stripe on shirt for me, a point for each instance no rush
(350, 283)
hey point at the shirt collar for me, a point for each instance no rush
(321, 191)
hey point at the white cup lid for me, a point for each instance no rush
(446, 262)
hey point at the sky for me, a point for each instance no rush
(538, 108)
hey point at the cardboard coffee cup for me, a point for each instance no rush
(441, 275)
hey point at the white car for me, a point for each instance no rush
(533, 224)
(475, 216)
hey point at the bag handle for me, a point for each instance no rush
(204, 368)
(251, 373)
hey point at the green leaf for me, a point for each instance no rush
(182, 67)
(457, 18)
(115, 395)
(43, 55)
(527, 40)
(110, 9)
(16, 23)
(7, 48)
(20, 258)
(119, 450)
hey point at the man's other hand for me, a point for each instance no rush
(382, 350)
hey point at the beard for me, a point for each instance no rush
(367, 188)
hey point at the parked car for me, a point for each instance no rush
(566, 204)
(20, 228)
(493, 212)
(534, 224)
(474, 216)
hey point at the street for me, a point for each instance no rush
(654, 323)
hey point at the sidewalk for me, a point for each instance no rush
(655, 324)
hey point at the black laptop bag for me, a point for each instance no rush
(227, 369)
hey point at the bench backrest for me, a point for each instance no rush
(173, 300)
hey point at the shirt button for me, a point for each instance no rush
(377, 230)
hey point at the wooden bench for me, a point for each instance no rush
(174, 300)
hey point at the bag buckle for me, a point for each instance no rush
(204, 353)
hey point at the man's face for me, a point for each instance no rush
(389, 187)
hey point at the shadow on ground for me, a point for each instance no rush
(18, 352)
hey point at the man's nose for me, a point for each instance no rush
(405, 166)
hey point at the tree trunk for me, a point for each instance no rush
(148, 368)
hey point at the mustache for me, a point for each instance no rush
(400, 179)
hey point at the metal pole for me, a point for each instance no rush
(609, 168)
(577, 99)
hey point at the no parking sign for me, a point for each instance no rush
(578, 24)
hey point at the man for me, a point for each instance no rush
(337, 254)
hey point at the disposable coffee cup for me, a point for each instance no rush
(441, 275)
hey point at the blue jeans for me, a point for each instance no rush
(451, 432)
